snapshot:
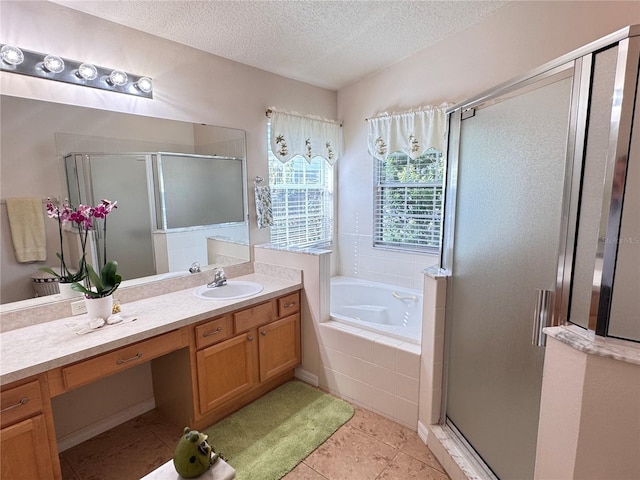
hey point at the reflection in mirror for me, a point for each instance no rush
(156, 228)
(121, 157)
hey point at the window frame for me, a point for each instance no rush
(326, 188)
(434, 190)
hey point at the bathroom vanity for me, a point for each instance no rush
(208, 359)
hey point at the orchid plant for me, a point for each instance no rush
(107, 280)
(64, 214)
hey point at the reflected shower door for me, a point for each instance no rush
(508, 216)
(123, 178)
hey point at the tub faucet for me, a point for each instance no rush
(219, 278)
(195, 268)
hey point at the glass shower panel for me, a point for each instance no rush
(587, 265)
(511, 175)
(129, 237)
(200, 190)
(625, 306)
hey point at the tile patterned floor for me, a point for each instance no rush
(367, 447)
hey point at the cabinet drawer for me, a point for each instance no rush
(20, 402)
(213, 331)
(289, 305)
(253, 317)
(121, 359)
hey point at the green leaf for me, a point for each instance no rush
(105, 284)
(108, 273)
(95, 280)
(80, 288)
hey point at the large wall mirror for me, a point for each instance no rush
(153, 167)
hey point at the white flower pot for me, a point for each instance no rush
(99, 307)
(66, 292)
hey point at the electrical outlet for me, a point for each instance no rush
(78, 308)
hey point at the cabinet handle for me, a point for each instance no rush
(263, 333)
(212, 332)
(250, 338)
(22, 401)
(135, 357)
(289, 305)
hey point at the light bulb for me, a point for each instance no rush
(11, 55)
(118, 78)
(53, 64)
(87, 71)
(144, 84)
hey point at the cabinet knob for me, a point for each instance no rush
(263, 333)
(289, 305)
(250, 338)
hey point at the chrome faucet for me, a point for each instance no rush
(195, 268)
(219, 278)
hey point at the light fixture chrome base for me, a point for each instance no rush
(33, 65)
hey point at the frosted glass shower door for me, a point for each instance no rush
(123, 177)
(508, 215)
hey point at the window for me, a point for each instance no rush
(408, 198)
(302, 201)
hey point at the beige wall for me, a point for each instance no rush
(589, 416)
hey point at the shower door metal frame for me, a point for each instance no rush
(624, 99)
(628, 40)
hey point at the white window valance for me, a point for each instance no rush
(413, 133)
(309, 136)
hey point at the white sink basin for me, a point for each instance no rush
(232, 290)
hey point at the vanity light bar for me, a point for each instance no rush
(52, 67)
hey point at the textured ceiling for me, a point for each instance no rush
(325, 43)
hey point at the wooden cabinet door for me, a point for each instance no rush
(279, 346)
(225, 370)
(25, 452)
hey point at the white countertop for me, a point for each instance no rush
(37, 348)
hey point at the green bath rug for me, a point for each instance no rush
(269, 437)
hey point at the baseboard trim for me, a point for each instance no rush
(101, 426)
(307, 377)
(423, 432)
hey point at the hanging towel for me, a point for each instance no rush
(263, 206)
(26, 221)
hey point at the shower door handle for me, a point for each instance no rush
(541, 317)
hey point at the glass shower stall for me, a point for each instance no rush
(540, 171)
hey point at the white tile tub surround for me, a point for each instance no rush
(376, 372)
(432, 353)
(357, 258)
